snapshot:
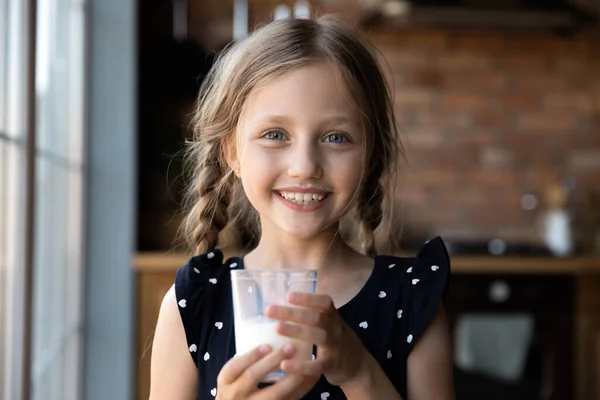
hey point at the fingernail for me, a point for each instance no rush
(285, 365)
(288, 349)
(271, 310)
(264, 348)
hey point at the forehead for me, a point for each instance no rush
(312, 90)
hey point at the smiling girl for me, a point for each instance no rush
(295, 139)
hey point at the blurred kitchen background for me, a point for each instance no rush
(499, 103)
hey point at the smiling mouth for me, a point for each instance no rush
(303, 198)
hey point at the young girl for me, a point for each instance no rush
(295, 139)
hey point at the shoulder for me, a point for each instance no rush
(431, 264)
(423, 281)
(199, 283)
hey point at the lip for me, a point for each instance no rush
(302, 207)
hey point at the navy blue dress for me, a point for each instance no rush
(389, 313)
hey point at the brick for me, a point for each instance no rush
(538, 44)
(443, 118)
(429, 39)
(482, 40)
(584, 160)
(540, 81)
(494, 178)
(478, 80)
(521, 61)
(539, 178)
(491, 118)
(430, 79)
(434, 177)
(496, 158)
(464, 100)
(463, 61)
(574, 102)
(519, 101)
(421, 137)
(405, 58)
(413, 97)
(471, 138)
(548, 123)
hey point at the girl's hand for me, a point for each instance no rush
(241, 375)
(340, 351)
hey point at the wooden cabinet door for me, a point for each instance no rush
(152, 287)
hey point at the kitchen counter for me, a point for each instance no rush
(476, 264)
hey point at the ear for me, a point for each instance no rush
(229, 150)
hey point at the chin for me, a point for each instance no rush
(308, 232)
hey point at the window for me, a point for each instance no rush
(40, 335)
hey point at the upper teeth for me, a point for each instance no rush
(302, 197)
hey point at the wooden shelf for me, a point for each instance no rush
(585, 265)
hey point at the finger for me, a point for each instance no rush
(255, 373)
(290, 387)
(312, 335)
(320, 302)
(300, 367)
(240, 363)
(301, 315)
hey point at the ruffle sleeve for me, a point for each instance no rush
(191, 283)
(425, 284)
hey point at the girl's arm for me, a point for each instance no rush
(429, 374)
(173, 374)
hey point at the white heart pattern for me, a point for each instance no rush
(206, 356)
(196, 270)
(233, 265)
(219, 325)
(409, 270)
(434, 268)
(415, 281)
(364, 324)
(391, 266)
(382, 294)
(249, 289)
(409, 338)
(213, 281)
(210, 255)
(324, 395)
(213, 391)
(399, 314)
(389, 354)
(193, 348)
(182, 303)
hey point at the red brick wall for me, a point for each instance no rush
(487, 117)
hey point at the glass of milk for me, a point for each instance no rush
(253, 292)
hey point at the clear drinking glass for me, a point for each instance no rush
(253, 292)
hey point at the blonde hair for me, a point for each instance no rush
(215, 199)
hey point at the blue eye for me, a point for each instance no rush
(274, 135)
(335, 138)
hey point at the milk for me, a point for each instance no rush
(252, 332)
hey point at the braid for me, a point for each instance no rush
(370, 213)
(209, 215)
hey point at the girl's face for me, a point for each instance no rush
(301, 151)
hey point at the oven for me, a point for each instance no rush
(513, 336)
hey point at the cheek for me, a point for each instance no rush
(349, 173)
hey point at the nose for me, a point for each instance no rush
(304, 162)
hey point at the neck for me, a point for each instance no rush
(278, 250)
